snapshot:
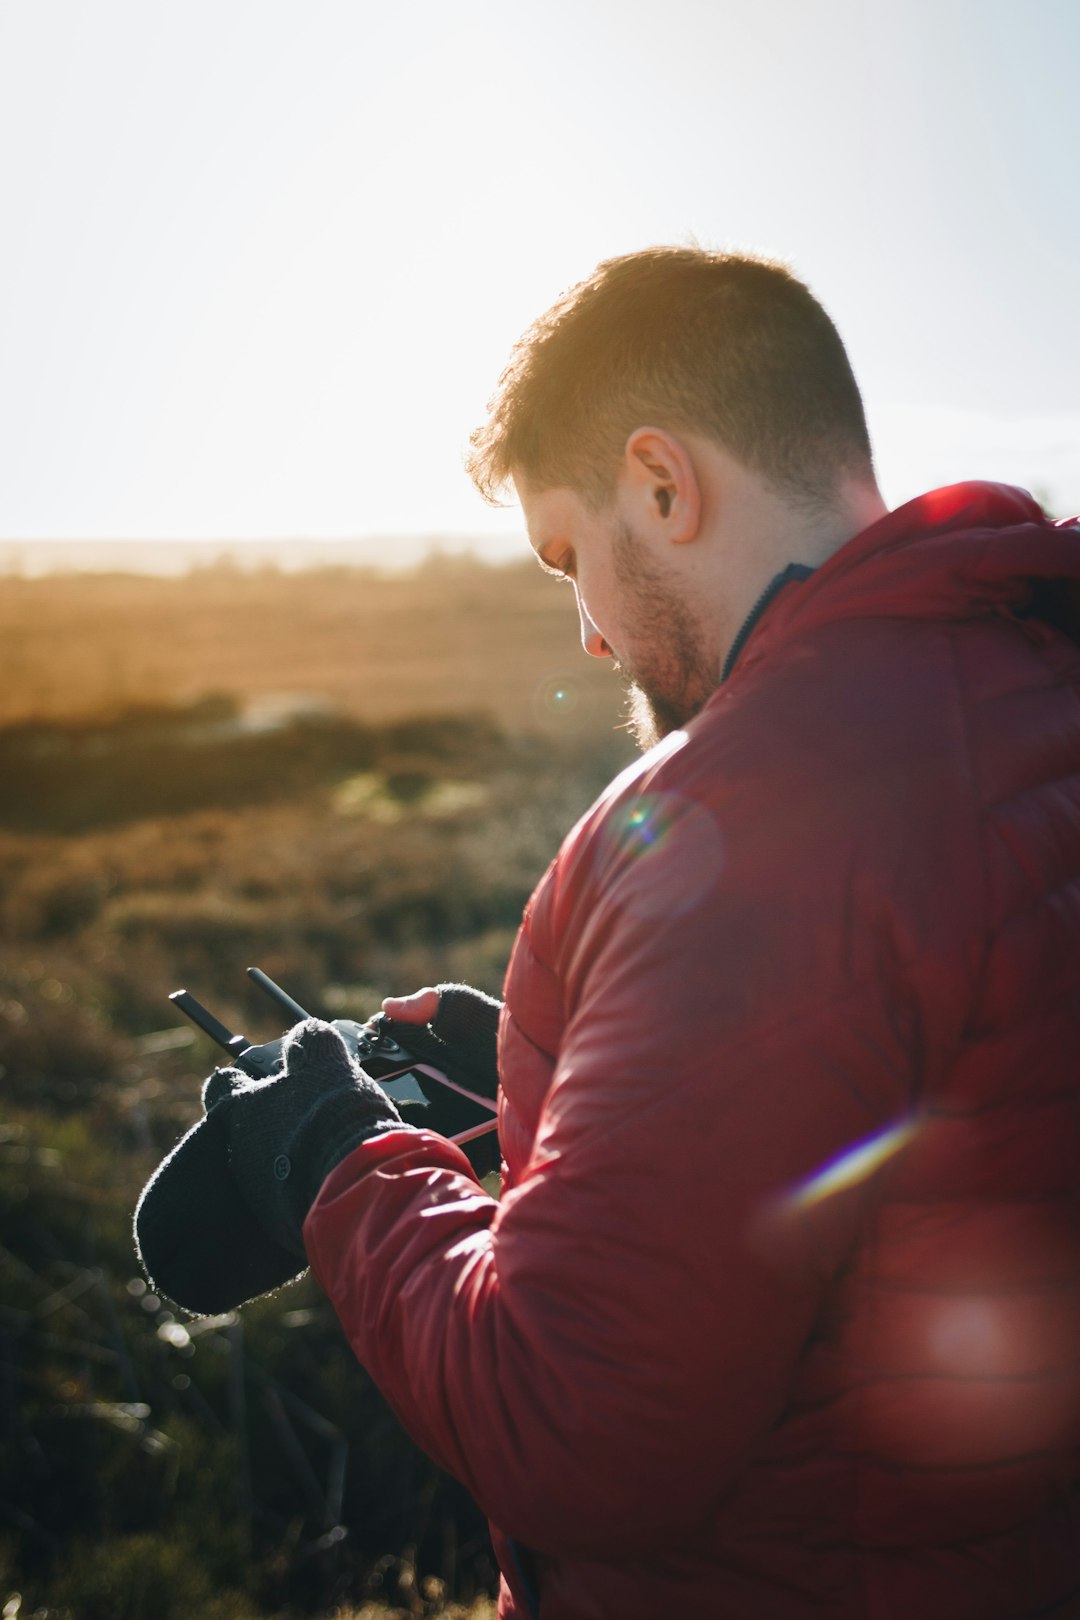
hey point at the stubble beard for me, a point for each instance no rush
(671, 676)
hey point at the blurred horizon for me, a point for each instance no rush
(176, 557)
(394, 552)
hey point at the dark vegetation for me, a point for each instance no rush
(151, 1465)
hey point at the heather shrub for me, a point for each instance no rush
(245, 1466)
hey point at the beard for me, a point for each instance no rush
(670, 673)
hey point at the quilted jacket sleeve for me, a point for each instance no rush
(598, 1355)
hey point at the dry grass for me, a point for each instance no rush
(144, 852)
(453, 636)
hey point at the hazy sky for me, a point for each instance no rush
(263, 259)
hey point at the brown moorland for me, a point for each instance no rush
(452, 635)
(353, 780)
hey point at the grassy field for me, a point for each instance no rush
(453, 636)
(354, 782)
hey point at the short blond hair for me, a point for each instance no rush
(725, 345)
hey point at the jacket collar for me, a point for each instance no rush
(793, 571)
(956, 553)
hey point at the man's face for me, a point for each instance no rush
(632, 609)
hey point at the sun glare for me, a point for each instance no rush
(854, 1165)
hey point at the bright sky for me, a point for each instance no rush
(263, 259)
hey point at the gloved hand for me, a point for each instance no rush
(453, 1027)
(287, 1133)
(215, 1225)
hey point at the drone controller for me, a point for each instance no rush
(423, 1094)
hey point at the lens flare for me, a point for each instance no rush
(856, 1164)
(561, 698)
(559, 703)
(643, 825)
(659, 854)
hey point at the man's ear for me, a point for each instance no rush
(660, 485)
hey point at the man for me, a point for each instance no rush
(779, 1312)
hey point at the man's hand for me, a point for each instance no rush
(453, 1027)
(287, 1133)
(220, 1220)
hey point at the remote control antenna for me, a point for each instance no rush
(278, 995)
(210, 1025)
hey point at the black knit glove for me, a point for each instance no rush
(461, 1039)
(219, 1221)
(286, 1134)
(196, 1236)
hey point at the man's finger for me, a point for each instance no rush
(419, 1008)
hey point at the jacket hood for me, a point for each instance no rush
(955, 553)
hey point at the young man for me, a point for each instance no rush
(779, 1313)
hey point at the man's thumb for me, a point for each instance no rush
(419, 1008)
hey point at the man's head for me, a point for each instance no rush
(678, 419)
(720, 345)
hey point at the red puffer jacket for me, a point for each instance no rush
(716, 1352)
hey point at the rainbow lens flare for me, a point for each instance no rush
(660, 854)
(856, 1164)
(644, 824)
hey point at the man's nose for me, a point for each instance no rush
(591, 639)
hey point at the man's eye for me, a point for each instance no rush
(561, 568)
